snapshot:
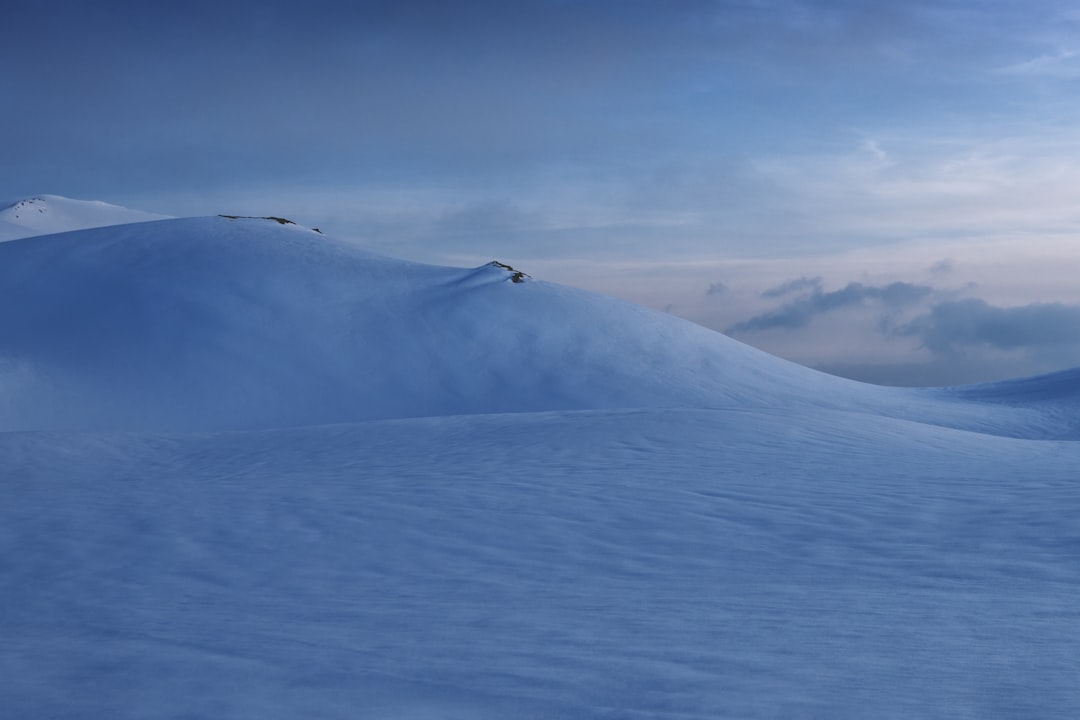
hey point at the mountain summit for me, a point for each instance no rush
(47, 214)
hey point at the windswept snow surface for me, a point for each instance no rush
(625, 564)
(536, 502)
(47, 214)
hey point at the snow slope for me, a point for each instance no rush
(47, 214)
(218, 323)
(616, 564)
(251, 472)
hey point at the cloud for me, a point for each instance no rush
(970, 340)
(1061, 64)
(903, 333)
(945, 266)
(799, 312)
(975, 181)
(716, 288)
(956, 325)
(791, 286)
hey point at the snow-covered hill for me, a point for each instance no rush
(252, 472)
(236, 323)
(47, 214)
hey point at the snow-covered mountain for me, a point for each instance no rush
(47, 214)
(250, 471)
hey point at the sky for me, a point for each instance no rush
(883, 191)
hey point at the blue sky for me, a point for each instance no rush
(881, 190)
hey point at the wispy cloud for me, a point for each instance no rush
(715, 288)
(1061, 64)
(943, 267)
(801, 311)
(910, 185)
(795, 285)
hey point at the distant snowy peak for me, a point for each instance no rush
(48, 214)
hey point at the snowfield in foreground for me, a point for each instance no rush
(250, 472)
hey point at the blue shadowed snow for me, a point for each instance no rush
(536, 502)
(661, 563)
(219, 324)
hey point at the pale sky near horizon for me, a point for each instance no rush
(887, 191)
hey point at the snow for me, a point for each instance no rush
(250, 471)
(47, 214)
(184, 325)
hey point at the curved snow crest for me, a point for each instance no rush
(1054, 397)
(49, 214)
(205, 324)
(1056, 387)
